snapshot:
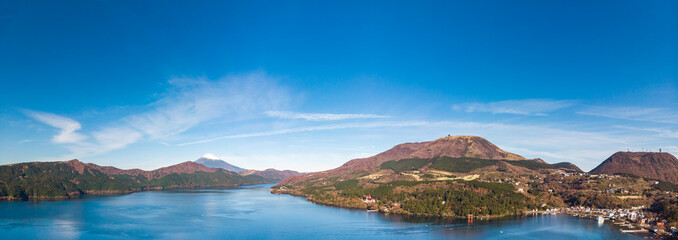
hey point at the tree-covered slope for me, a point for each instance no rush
(450, 146)
(467, 164)
(62, 180)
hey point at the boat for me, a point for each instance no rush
(601, 219)
(633, 231)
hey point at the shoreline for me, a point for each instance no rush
(641, 230)
(379, 210)
(624, 225)
(98, 193)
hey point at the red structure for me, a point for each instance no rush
(368, 199)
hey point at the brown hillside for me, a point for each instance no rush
(451, 146)
(185, 167)
(271, 173)
(464, 146)
(654, 165)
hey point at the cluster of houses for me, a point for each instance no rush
(587, 175)
(629, 218)
(634, 214)
(368, 199)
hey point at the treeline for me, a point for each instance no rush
(462, 164)
(408, 164)
(666, 209)
(592, 199)
(465, 164)
(59, 180)
(666, 186)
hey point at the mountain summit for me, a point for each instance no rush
(210, 156)
(464, 146)
(450, 146)
(212, 161)
(184, 167)
(209, 160)
(656, 165)
(449, 176)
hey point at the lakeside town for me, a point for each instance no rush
(632, 216)
(631, 220)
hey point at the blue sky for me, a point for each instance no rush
(309, 85)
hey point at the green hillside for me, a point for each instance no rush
(59, 180)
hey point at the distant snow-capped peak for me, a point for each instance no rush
(210, 156)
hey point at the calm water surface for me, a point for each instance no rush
(253, 213)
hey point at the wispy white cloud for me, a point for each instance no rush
(116, 137)
(319, 116)
(105, 140)
(307, 129)
(584, 148)
(661, 132)
(196, 100)
(647, 114)
(534, 107)
(298, 161)
(546, 135)
(188, 102)
(67, 126)
(102, 141)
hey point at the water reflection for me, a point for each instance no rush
(64, 229)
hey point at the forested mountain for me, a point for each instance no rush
(49, 180)
(451, 176)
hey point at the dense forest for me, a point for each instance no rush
(432, 198)
(666, 209)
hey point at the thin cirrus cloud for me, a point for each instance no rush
(101, 141)
(196, 100)
(105, 140)
(539, 132)
(67, 126)
(647, 114)
(320, 116)
(308, 129)
(186, 104)
(533, 107)
(666, 133)
(584, 148)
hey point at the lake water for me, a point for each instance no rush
(253, 213)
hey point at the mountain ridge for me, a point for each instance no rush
(451, 176)
(209, 160)
(184, 167)
(68, 179)
(655, 165)
(271, 173)
(450, 146)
